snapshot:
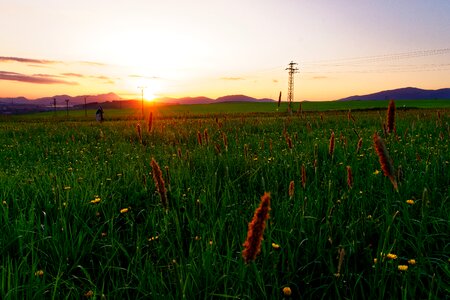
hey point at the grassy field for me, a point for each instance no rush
(202, 110)
(81, 215)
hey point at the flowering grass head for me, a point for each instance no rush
(252, 245)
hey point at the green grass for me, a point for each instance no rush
(218, 109)
(51, 168)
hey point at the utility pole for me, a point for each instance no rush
(142, 98)
(67, 106)
(292, 70)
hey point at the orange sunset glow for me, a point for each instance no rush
(217, 48)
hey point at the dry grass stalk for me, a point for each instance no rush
(139, 132)
(225, 141)
(391, 117)
(167, 175)
(359, 145)
(349, 177)
(341, 260)
(245, 150)
(252, 245)
(205, 135)
(179, 153)
(289, 142)
(331, 144)
(385, 160)
(150, 122)
(217, 148)
(303, 176)
(159, 183)
(199, 138)
(350, 116)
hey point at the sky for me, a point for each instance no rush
(212, 48)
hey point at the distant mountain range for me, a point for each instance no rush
(79, 100)
(12, 104)
(205, 100)
(408, 93)
(60, 100)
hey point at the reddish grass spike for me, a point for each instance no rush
(385, 160)
(303, 176)
(199, 138)
(252, 245)
(159, 183)
(331, 145)
(291, 189)
(349, 177)
(391, 117)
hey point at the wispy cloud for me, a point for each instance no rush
(319, 77)
(39, 62)
(28, 60)
(36, 78)
(92, 63)
(274, 80)
(103, 78)
(232, 78)
(145, 77)
(73, 75)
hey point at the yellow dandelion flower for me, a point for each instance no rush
(376, 172)
(66, 188)
(287, 291)
(411, 202)
(39, 273)
(412, 262)
(275, 246)
(96, 200)
(391, 256)
(402, 267)
(375, 260)
(124, 210)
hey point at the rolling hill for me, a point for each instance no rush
(409, 93)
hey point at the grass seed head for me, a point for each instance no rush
(159, 183)
(390, 127)
(252, 245)
(385, 160)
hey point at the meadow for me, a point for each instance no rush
(82, 215)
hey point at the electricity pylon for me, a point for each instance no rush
(292, 70)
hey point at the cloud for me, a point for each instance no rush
(92, 63)
(274, 80)
(73, 75)
(105, 79)
(36, 78)
(39, 62)
(232, 78)
(319, 77)
(28, 60)
(145, 77)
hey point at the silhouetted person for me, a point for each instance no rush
(99, 114)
